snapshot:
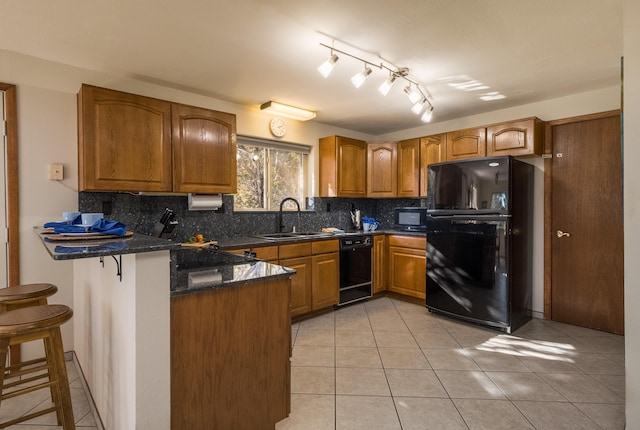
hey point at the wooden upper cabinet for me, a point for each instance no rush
(517, 138)
(343, 167)
(382, 168)
(432, 150)
(124, 141)
(204, 150)
(128, 142)
(409, 168)
(469, 143)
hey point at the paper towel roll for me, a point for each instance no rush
(204, 278)
(204, 202)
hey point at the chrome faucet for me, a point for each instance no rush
(280, 225)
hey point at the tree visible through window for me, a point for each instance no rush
(269, 172)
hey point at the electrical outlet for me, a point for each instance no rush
(56, 172)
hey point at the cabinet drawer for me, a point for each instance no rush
(414, 242)
(294, 250)
(324, 246)
(266, 252)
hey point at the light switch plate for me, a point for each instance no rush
(56, 172)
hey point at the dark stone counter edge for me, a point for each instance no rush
(72, 250)
(270, 271)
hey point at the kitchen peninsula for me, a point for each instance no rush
(168, 337)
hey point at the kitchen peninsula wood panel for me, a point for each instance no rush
(230, 357)
(124, 141)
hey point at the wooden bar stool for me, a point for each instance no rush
(24, 295)
(28, 324)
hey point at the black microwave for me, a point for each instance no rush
(410, 219)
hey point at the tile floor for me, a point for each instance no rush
(40, 399)
(386, 364)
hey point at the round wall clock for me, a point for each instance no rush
(278, 127)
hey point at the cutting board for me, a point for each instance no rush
(50, 236)
(199, 244)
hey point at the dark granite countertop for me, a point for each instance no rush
(73, 249)
(196, 270)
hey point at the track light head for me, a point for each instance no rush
(418, 106)
(428, 114)
(359, 79)
(385, 87)
(326, 67)
(413, 93)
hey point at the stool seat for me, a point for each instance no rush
(25, 295)
(33, 318)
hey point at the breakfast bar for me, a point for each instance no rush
(152, 319)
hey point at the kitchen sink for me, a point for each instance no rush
(292, 235)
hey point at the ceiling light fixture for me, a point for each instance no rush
(359, 79)
(418, 96)
(287, 111)
(326, 67)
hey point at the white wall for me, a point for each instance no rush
(631, 50)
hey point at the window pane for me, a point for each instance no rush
(251, 177)
(287, 176)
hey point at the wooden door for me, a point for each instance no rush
(585, 228)
(382, 168)
(409, 168)
(204, 150)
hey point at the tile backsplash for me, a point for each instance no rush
(141, 212)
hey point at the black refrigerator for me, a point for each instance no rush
(479, 241)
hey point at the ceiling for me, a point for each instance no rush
(252, 51)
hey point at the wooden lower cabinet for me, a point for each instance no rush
(379, 280)
(325, 280)
(230, 357)
(408, 265)
(300, 284)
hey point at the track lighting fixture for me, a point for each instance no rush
(359, 79)
(326, 67)
(418, 96)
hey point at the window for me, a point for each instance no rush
(269, 171)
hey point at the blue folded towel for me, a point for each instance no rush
(103, 226)
(114, 246)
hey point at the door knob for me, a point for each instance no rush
(561, 233)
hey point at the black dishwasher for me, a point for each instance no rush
(355, 268)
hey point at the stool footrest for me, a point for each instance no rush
(26, 390)
(26, 380)
(27, 417)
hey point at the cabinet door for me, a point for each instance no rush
(300, 284)
(325, 283)
(409, 168)
(408, 271)
(124, 141)
(343, 167)
(204, 150)
(382, 167)
(432, 150)
(517, 138)
(379, 263)
(468, 143)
